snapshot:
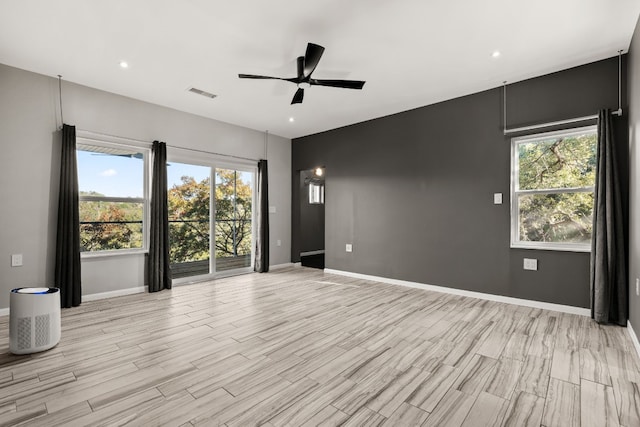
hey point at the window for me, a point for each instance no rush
(234, 218)
(189, 198)
(316, 193)
(552, 183)
(113, 202)
(210, 216)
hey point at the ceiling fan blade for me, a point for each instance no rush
(253, 76)
(312, 57)
(297, 98)
(347, 84)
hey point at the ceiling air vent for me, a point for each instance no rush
(202, 92)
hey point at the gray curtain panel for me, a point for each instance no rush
(158, 269)
(609, 291)
(261, 263)
(67, 269)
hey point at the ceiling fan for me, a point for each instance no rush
(306, 65)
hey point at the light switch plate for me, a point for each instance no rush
(530, 264)
(16, 260)
(272, 209)
(349, 247)
(497, 198)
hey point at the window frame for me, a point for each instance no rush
(312, 193)
(179, 155)
(516, 243)
(145, 149)
(240, 166)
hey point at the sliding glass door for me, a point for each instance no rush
(233, 219)
(189, 219)
(210, 226)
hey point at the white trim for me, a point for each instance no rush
(309, 253)
(551, 246)
(88, 255)
(102, 138)
(98, 296)
(281, 266)
(112, 294)
(139, 146)
(515, 191)
(634, 337)
(480, 295)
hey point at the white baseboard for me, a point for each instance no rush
(280, 266)
(101, 295)
(298, 264)
(634, 337)
(490, 297)
(310, 253)
(111, 294)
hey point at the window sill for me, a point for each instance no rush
(551, 247)
(109, 254)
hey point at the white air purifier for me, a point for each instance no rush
(34, 319)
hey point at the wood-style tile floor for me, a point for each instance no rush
(300, 347)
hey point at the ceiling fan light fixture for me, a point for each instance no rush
(306, 65)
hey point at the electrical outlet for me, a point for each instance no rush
(637, 286)
(349, 247)
(279, 242)
(497, 198)
(16, 260)
(530, 264)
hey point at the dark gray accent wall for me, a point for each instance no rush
(634, 179)
(413, 192)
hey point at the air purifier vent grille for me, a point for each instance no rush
(24, 333)
(42, 330)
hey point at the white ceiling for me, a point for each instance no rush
(410, 52)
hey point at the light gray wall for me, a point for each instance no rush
(413, 192)
(29, 117)
(634, 179)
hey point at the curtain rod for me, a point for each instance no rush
(558, 123)
(171, 146)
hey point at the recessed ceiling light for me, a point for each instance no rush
(291, 120)
(123, 64)
(495, 54)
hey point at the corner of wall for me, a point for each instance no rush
(633, 97)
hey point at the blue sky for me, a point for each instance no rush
(110, 175)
